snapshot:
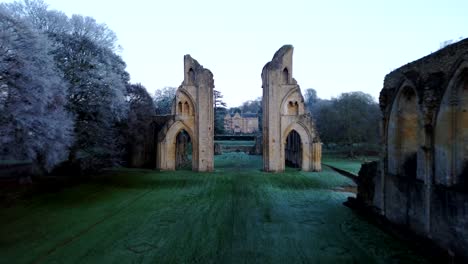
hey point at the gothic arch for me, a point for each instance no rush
(293, 150)
(184, 100)
(187, 108)
(305, 137)
(283, 111)
(451, 131)
(403, 132)
(285, 75)
(292, 103)
(180, 107)
(190, 113)
(166, 147)
(190, 77)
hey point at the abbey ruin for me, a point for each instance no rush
(421, 183)
(192, 112)
(289, 135)
(288, 132)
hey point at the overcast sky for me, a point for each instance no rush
(339, 46)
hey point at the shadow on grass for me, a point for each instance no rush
(141, 179)
(293, 182)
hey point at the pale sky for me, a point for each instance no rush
(339, 46)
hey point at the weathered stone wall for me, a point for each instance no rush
(283, 112)
(422, 184)
(192, 112)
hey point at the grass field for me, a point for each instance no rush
(235, 142)
(350, 165)
(236, 214)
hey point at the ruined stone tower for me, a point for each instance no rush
(192, 111)
(284, 114)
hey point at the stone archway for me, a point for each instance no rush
(451, 132)
(402, 133)
(283, 111)
(192, 111)
(293, 150)
(167, 148)
(183, 150)
(310, 151)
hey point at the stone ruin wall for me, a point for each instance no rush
(283, 112)
(288, 132)
(421, 182)
(192, 111)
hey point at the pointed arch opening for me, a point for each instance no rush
(191, 77)
(403, 130)
(451, 134)
(186, 108)
(285, 76)
(293, 108)
(179, 106)
(183, 150)
(293, 150)
(177, 147)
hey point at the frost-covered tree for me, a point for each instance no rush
(163, 99)
(84, 52)
(34, 124)
(97, 98)
(99, 34)
(37, 14)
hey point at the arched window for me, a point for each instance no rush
(186, 108)
(403, 132)
(179, 108)
(191, 77)
(285, 76)
(451, 134)
(293, 108)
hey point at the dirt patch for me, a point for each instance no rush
(348, 189)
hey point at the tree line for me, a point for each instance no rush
(348, 123)
(65, 96)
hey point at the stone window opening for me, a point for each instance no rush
(285, 76)
(180, 107)
(191, 77)
(293, 108)
(403, 134)
(451, 136)
(186, 108)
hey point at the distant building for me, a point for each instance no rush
(241, 123)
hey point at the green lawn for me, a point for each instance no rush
(236, 142)
(350, 165)
(237, 214)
